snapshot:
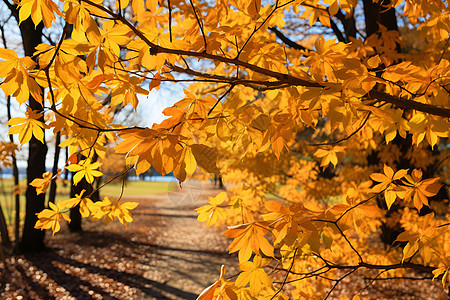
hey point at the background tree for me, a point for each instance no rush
(31, 239)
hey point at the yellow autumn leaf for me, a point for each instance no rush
(41, 184)
(205, 157)
(84, 169)
(444, 270)
(419, 190)
(212, 211)
(27, 127)
(391, 190)
(222, 289)
(249, 238)
(329, 156)
(186, 164)
(87, 206)
(374, 61)
(39, 10)
(18, 81)
(111, 209)
(254, 275)
(50, 218)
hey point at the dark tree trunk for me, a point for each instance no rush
(16, 182)
(14, 163)
(66, 171)
(33, 239)
(75, 219)
(349, 23)
(52, 193)
(376, 13)
(75, 216)
(6, 241)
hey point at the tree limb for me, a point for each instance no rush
(290, 43)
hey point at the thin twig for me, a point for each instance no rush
(287, 274)
(200, 24)
(170, 20)
(220, 98)
(345, 138)
(337, 282)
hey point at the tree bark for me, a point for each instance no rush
(53, 186)
(33, 239)
(16, 182)
(75, 216)
(376, 13)
(6, 241)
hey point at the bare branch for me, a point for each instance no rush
(290, 43)
(200, 24)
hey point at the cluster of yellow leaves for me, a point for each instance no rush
(419, 190)
(42, 10)
(50, 218)
(324, 88)
(444, 271)
(87, 206)
(212, 211)
(162, 149)
(290, 228)
(254, 274)
(427, 237)
(221, 289)
(18, 81)
(28, 127)
(107, 208)
(387, 185)
(7, 152)
(41, 184)
(249, 238)
(85, 169)
(329, 156)
(411, 187)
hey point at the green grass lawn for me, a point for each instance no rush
(131, 188)
(138, 188)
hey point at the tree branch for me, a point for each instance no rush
(200, 24)
(290, 43)
(337, 32)
(282, 77)
(410, 104)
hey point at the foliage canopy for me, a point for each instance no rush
(349, 135)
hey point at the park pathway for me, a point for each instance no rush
(189, 255)
(165, 253)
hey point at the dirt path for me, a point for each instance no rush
(165, 254)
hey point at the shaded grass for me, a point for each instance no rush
(138, 188)
(131, 188)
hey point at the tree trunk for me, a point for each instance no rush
(52, 194)
(33, 239)
(75, 216)
(16, 182)
(14, 162)
(6, 241)
(376, 13)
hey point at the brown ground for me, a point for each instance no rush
(164, 254)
